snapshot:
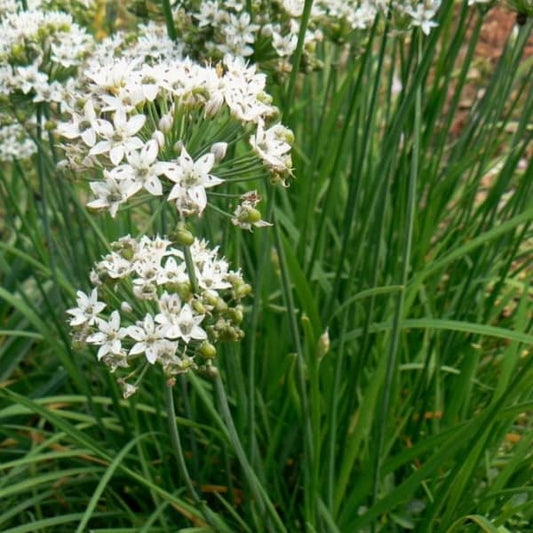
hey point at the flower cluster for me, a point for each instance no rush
(14, 141)
(143, 309)
(39, 52)
(165, 128)
(269, 33)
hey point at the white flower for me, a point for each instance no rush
(116, 267)
(142, 170)
(284, 45)
(172, 272)
(87, 310)
(170, 307)
(189, 325)
(422, 17)
(111, 193)
(81, 125)
(272, 145)
(176, 334)
(192, 178)
(246, 215)
(119, 136)
(109, 336)
(148, 337)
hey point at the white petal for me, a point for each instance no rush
(151, 355)
(205, 163)
(136, 123)
(116, 154)
(149, 152)
(136, 333)
(198, 333)
(153, 186)
(198, 195)
(89, 137)
(137, 348)
(100, 148)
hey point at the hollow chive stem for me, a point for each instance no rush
(180, 458)
(190, 269)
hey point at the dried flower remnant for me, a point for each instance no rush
(246, 215)
(142, 310)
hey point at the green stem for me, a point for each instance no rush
(167, 10)
(190, 269)
(398, 316)
(304, 21)
(252, 332)
(180, 458)
(257, 490)
(176, 443)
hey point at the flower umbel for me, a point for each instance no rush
(142, 309)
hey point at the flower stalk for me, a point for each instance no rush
(178, 452)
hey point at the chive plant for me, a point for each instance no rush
(353, 356)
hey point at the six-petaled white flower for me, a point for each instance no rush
(192, 178)
(119, 137)
(109, 336)
(88, 309)
(148, 336)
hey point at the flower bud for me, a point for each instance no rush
(242, 290)
(178, 147)
(323, 344)
(221, 305)
(199, 307)
(159, 138)
(125, 307)
(219, 151)
(165, 123)
(236, 315)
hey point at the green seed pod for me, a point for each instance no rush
(198, 307)
(182, 236)
(184, 290)
(210, 371)
(236, 315)
(207, 350)
(253, 215)
(78, 344)
(210, 299)
(242, 290)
